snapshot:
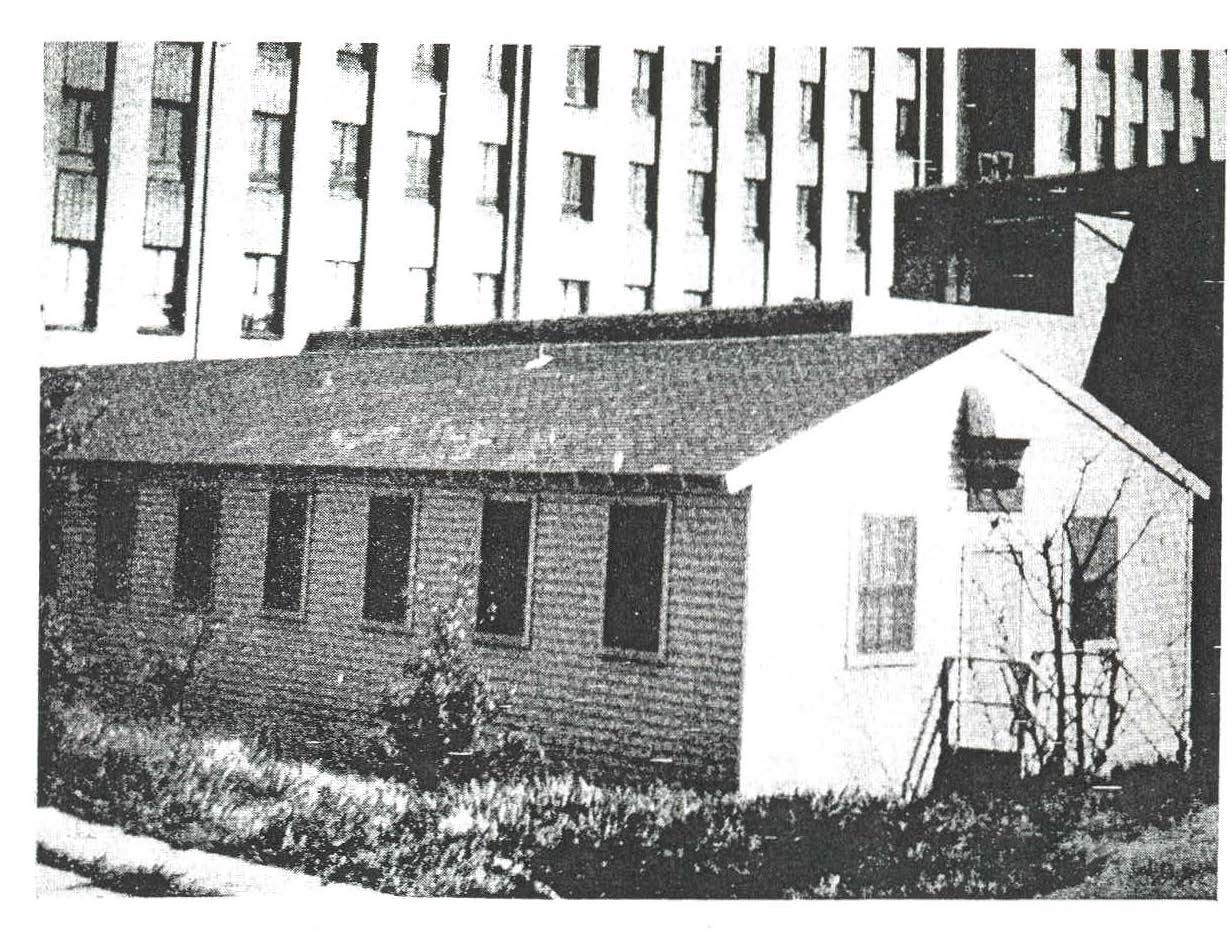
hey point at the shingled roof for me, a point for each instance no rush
(693, 407)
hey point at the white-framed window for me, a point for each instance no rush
(581, 84)
(420, 163)
(885, 586)
(266, 163)
(704, 94)
(645, 84)
(577, 198)
(575, 297)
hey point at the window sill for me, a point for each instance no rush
(159, 331)
(68, 328)
(385, 629)
(874, 660)
(282, 615)
(258, 334)
(633, 656)
(502, 640)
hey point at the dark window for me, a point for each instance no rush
(284, 548)
(1200, 74)
(1106, 60)
(115, 526)
(390, 533)
(807, 207)
(700, 202)
(1070, 133)
(166, 135)
(347, 149)
(420, 166)
(1200, 148)
(582, 80)
(704, 93)
(264, 289)
(635, 557)
(493, 178)
(759, 104)
(886, 584)
(1094, 547)
(907, 127)
(266, 148)
(1170, 70)
(1170, 147)
(755, 208)
(504, 566)
(1072, 56)
(1140, 151)
(194, 546)
(1104, 141)
(858, 223)
(809, 112)
(78, 123)
(645, 88)
(993, 474)
(1140, 64)
(578, 186)
(423, 62)
(859, 130)
(642, 194)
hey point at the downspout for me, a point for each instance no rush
(200, 262)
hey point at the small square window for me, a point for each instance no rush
(635, 566)
(578, 186)
(575, 297)
(504, 566)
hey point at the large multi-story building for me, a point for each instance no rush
(224, 199)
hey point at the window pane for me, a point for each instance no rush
(886, 584)
(1094, 547)
(504, 566)
(287, 537)
(390, 529)
(115, 523)
(194, 546)
(635, 557)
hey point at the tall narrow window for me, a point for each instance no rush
(1170, 70)
(907, 127)
(266, 149)
(195, 542)
(578, 186)
(857, 222)
(809, 111)
(645, 83)
(344, 179)
(635, 563)
(340, 292)
(755, 208)
(575, 297)
(423, 62)
(807, 206)
(115, 530)
(504, 565)
(641, 195)
(703, 94)
(700, 202)
(285, 545)
(581, 86)
(420, 165)
(493, 64)
(489, 295)
(491, 179)
(1106, 60)
(262, 315)
(1094, 547)
(886, 585)
(1103, 140)
(1140, 152)
(390, 532)
(1070, 133)
(1140, 64)
(859, 129)
(758, 107)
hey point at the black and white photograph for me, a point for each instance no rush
(735, 464)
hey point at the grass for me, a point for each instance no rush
(563, 835)
(138, 882)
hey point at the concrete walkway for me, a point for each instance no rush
(80, 841)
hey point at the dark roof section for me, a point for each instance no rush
(697, 407)
(794, 319)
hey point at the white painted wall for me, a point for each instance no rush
(814, 715)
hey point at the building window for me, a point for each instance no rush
(166, 135)
(68, 303)
(1140, 150)
(1200, 74)
(423, 63)
(637, 298)
(642, 194)
(1106, 60)
(576, 297)
(704, 93)
(199, 511)
(581, 87)
(694, 300)
(635, 564)
(504, 566)
(1140, 64)
(493, 64)
(115, 531)
(1200, 148)
(390, 535)
(78, 123)
(1070, 133)
(1170, 147)
(645, 86)
(886, 585)
(1094, 547)
(344, 181)
(1072, 57)
(285, 545)
(420, 166)
(1170, 70)
(578, 186)
(492, 179)
(76, 206)
(490, 295)
(859, 131)
(164, 274)
(807, 214)
(810, 124)
(341, 292)
(755, 208)
(266, 163)
(700, 202)
(759, 105)
(263, 284)
(907, 127)
(857, 222)
(421, 291)
(1103, 141)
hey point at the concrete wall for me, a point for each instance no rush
(320, 670)
(818, 716)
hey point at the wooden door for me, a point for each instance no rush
(991, 611)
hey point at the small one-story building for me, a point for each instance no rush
(755, 558)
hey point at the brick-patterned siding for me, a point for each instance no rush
(320, 670)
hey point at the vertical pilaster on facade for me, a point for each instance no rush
(1048, 147)
(1187, 109)
(193, 239)
(223, 291)
(834, 197)
(729, 277)
(609, 130)
(923, 108)
(1160, 110)
(514, 238)
(127, 171)
(309, 198)
(53, 77)
(1125, 107)
(672, 178)
(1217, 104)
(784, 279)
(455, 283)
(385, 264)
(883, 171)
(951, 115)
(1087, 109)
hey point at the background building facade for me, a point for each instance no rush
(223, 199)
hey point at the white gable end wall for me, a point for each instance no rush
(818, 716)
